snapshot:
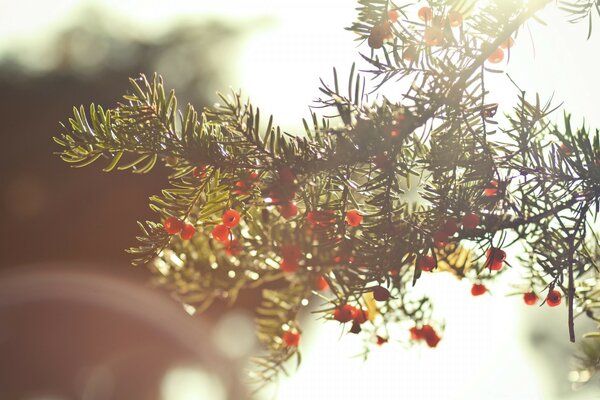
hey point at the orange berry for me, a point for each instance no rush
(220, 233)
(478, 289)
(187, 232)
(416, 333)
(530, 298)
(496, 56)
(455, 19)
(289, 265)
(425, 14)
(553, 299)
(173, 225)
(360, 316)
(231, 218)
(393, 16)
(354, 218)
(491, 190)
(290, 339)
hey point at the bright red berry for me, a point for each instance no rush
(497, 56)
(471, 221)
(491, 190)
(416, 333)
(231, 218)
(393, 16)
(530, 298)
(290, 339)
(478, 289)
(289, 265)
(426, 263)
(173, 225)
(553, 299)
(321, 283)
(380, 293)
(360, 316)
(430, 336)
(343, 313)
(187, 232)
(354, 218)
(220, 233)
(495, 258)
(288, 210)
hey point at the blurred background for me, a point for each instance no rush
(78, 322)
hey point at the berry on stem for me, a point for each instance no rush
(554, 298)
(496, 56)
(288, 210)
(220, 233)
(508, 43)
(430, 335)
(425, 14)
(495, 258)
(530, 298)
(343, 313)
(290, 339)
(425, 263)
(321, 283)
(354, 218)
(393, 16)
(187, 232)
(231, 218)
(289, 265)
(380, 293)
(471, 221)
(491, 190)
(173, 225)
(360, 316)
(478, 289)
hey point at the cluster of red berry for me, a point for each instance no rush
(427, 333)
(174, 226)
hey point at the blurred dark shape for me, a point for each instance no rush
(85, 218)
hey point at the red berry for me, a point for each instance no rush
(289, 265)
(416, 333)
(426, 263)
(360, 316)
(173, 225)
(450, 227)
(252, 176)
(496, 56)
(425, 14)
(381, 340)
(430, 336)
(321, 283)
(380, 293)
(355, 328)
(393, 16)
(382, 161)
(288, 210)
(187, 232)
(440, 238)
(495, 258)
(455, 19)
(553, 299)
(343, 313)
(478, 289)
(471, 221)
(231, 218)
(530, 298)
(242, 188)
(290, 339)
(491, 190)
(221, 233)
(354, 218)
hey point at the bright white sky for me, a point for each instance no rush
(484, 353)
